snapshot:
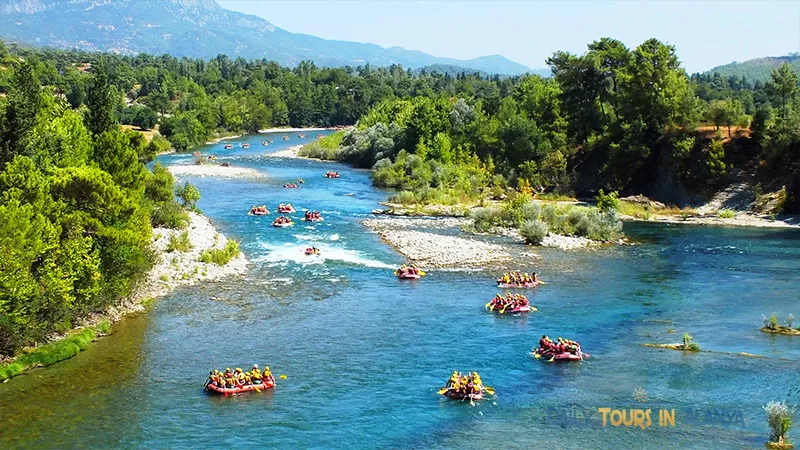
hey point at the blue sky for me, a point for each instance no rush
(706, 33)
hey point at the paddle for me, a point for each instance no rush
(488, 389)
(442, 391)
(536, 355)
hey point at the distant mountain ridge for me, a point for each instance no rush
(201, 29)
(758, 68)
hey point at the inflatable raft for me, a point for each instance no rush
(461, 396)
(500, 284)
(408, 276)
(286, 210)
(313, 219)
(566, 356)
(282, 225)
(213, 388)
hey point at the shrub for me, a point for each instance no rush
(688, 344)
(606, 202)
(534, 231)
(189, 194)
(727, 214)
(220, 256)
(104, 326)
(779, 418)
(403, 198)
(485, 218)
(179, 242)
(324, 148)
(169, 215)
(530, 210)
(548, 214)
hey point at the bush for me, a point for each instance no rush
(104, 326)
(779, 418)
(220, 256)
(548, 215)
(179, 242)
(485, 218)
(688, 344)
(169, 215)
(534, 231)
(326, 148)
(189, 194)
(607, 202)
(404, 198)
(727, 214)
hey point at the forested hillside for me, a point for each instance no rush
(612, 118)
(76, 204)
(759, 69)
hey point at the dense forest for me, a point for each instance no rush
(78, 204)
(614, 118)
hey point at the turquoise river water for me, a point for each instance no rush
(365, 353)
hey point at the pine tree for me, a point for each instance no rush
(24, 102)
(101, 101)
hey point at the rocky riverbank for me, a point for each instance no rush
(432, 250)
(214, 170)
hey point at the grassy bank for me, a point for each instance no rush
(45, 355)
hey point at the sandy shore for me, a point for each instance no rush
(224, 138)
(209, 170)
(431, 250)
(290, 152)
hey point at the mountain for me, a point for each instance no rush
(200, 29)
(759, 68)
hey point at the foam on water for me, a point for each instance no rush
(291, 252)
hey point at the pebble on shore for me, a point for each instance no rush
(209, 170)
(431, 250)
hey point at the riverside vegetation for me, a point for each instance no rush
(77, 210)
(597, 123)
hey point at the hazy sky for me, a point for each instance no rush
(706, 33)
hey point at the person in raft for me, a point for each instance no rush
(313, 215)
(408, 269)
(546, 345)
(238, 378)
(464, 385)
(510, 301)
(518, 278)
(282, 219)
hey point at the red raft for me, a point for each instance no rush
(408, 276)
(270, 383)
(565, 356)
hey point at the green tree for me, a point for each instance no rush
(783, 85)
(114, 154)
(24, 103)
(189, 195)
(101, 101)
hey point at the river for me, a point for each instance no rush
(364, 353)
